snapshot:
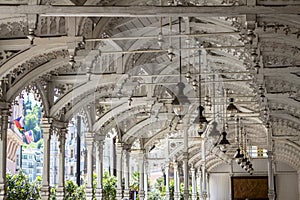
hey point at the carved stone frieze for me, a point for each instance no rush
(101, 109)
(276, 27)
(33, 63)
(278, 60)
(279, 47)
(47, 2)
(51, 26)
(6, 55)
(103, 2)
(13, 27)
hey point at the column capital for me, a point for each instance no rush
(89, 134)
(119, 148)
(46, 125)
(193, 168)
(4, 106)
(99, 138)
(59, 124)
(89, 140)
(271, 194)
(127, 147)
(185, 155)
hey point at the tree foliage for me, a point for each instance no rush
(109, 186)
(19, 187)
(73, 191)
(135, 181)
(32, 116)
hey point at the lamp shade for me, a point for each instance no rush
(214, 131)
(231, 108)
(200, 118)
(224, 142)
(181, 102)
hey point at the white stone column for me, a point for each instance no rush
(119, 152)
(142, 169)
(90, 152)
(204, 184)
(60, 192)
(186, 175)
(99, 169)
(207, 186)
(167, 172)
(199, 181)
(146, 180)
(299, 184)
(230, 176)
(194, 185)
(3, 153)
(176, 181)
(127, 173)
(271, 191)
(45, 189)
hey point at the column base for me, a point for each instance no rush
(167, 196)
(176, 196)
(186, 194)
(60, 193)
(271, 195)
(203, 196)
(119, 194)
(194, 196)
(127, 193)
(45, 192)
(89, 193)
(99, 193)
(142, 194)
(2, 191)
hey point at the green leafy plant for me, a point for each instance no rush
(73, 191)
(109, 186)
(19, 187)
(53, 193)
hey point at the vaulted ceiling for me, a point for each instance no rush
(110, 61)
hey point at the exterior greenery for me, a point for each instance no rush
(32, 119)
(19, 187)
(109, 186)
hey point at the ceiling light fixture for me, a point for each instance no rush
(231, 108)
(200, 119)
(181, 102)
(224, 142)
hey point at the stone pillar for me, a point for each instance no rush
(119, 152)
(45, 189)
(127, 173)
(99, 169)
(299, 184)
(204, 191)
(60, 192)
(3, 146)
(186, 175)
(142, 169)
(199, 181)
(167, 172)
(230, 176)
(194, 185)
(90, 148)
(146, 180)
(271, 191)
(176, 181)
(207, 186)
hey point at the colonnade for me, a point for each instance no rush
(199, 176)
